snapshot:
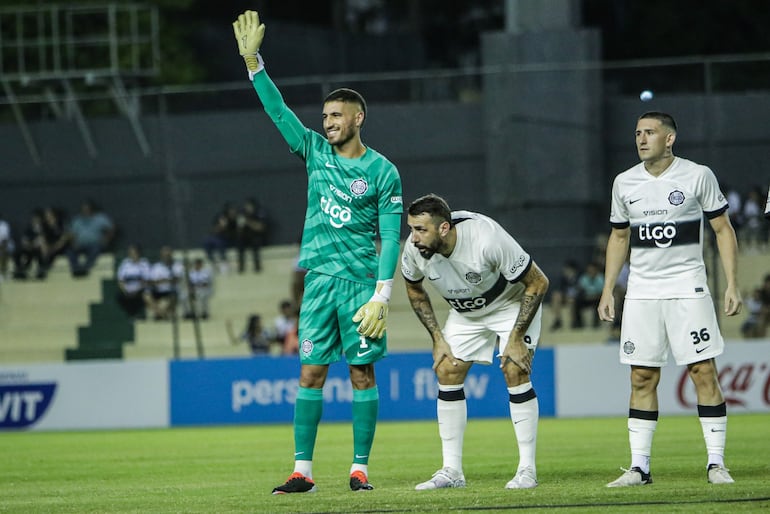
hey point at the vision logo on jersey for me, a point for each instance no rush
(338, 215)
(340, 193)
(478, 302)
(664, 235)
(22, 405)
(676, 197)
(359, 187)
(628, 347)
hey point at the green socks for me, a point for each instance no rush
(307, 415)
(366, 404)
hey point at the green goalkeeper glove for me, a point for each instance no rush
(249, 33)
(374, 313)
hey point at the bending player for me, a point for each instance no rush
(495, 290)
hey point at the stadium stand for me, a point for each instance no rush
(41, 320)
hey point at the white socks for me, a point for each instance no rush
(715, 434)
(452, 411)
(525, 412)
(640, 432)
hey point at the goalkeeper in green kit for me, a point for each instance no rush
(352, 192)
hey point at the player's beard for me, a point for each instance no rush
(427, 251)
(343, 136)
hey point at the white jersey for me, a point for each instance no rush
(165, 278)
(201, 279)
(665, 214)
(134, 274)
(767, 205)
(483, 272)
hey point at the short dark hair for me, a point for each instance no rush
(347, 95)
(431, 204)
(664, 118)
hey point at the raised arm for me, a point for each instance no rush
(249, 33)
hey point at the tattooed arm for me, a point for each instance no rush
(535, 286)
(422, 307)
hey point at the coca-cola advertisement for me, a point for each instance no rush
(590, 381)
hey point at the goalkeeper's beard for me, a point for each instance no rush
(341, 137)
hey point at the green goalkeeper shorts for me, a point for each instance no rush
(326, 327)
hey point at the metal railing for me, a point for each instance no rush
(690, 74)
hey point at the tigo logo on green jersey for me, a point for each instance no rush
(338, 215)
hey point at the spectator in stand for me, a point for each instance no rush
(285, 322)
(133, 277)
(55, 235)
(6, 246)
(31, 248)
(291, 342)
(200, 288)
(754, 232)
(89, 234)
(165, 279)
(252, 229)
(767, 205)
(565, 295)
(223, 235)
(297, 283)
(589, 290)
(751, 327)
(764, 317)
(254, 335)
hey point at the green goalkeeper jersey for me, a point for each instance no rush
(345, 197)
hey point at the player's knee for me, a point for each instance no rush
(515, 377)
(645, 379)
(449, 374)
(703, 373)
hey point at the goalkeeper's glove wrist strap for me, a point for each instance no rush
(254, 64)
(383, 291)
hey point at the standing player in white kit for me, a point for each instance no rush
(657, 210)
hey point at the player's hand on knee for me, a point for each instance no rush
(441, 351)
(518, 354)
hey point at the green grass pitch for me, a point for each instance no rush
(233, 469)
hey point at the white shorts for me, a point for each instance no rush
(686, 326)
(475, 339)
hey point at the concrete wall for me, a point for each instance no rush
(542, 166)
(199, 161)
